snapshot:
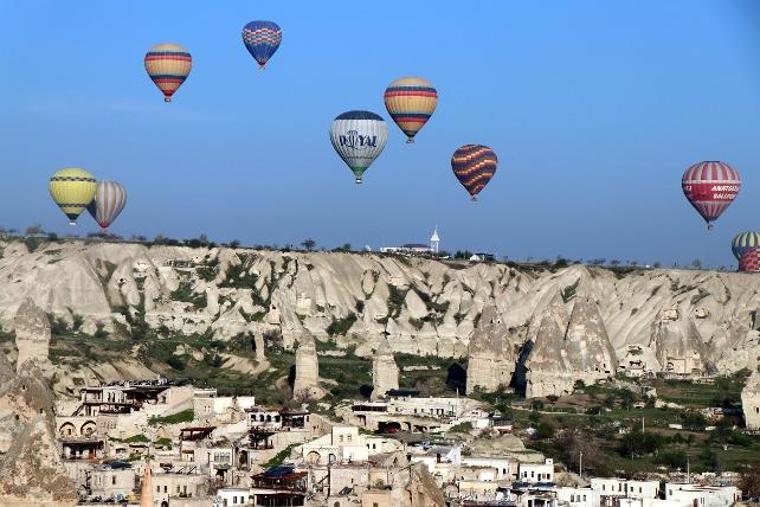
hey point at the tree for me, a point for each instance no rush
(308, 244)
(614, 262)
(657, 265)
(234, 243)
(696, 264)
(749, 482)
(34, 229)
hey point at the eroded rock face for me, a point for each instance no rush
(32, 472)
(678, 345)
(492, 359)
(569, 349)
(22, 397)
(32, 328)
(587, 345)
(384, 371)
(306, 384)
(751, 399)
(695, 318)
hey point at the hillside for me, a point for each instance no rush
(227, 307)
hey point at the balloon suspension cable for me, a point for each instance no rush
(167, 99)
(409, 140)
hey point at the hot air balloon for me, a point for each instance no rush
(168, 65)
(410, 102)
(749, 262)
(261, 39)
(474, 165)
(743, 242)
(710, 187)
(110, 198)
(72, 189)
(359, 137)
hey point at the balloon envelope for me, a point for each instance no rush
(261, 39)
(743, 242)
(474, 165)
(359, 138)
(410, 101)
(168, 65)
(110, 198)
(749, 262)
(710, 187)
(72, 189)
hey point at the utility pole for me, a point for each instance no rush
(580, 465)
(642, 424)
(688, 471)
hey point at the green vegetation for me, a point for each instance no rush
(280, 457)
(163, 443)
(185, 416)
(186, 294)
(136, 438)
(340, 327)
(395, 302)
(568, 293)
(464, 427)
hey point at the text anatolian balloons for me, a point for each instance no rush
(710, 187)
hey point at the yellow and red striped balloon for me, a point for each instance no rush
(168, 65)
(410, 101)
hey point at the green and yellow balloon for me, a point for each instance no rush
(72, 189)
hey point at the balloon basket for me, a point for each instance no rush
(410, 140)
(474, 198)
(167, 99)
(358, 181)
(710, 227)
(72, 223)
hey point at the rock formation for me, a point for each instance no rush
(24, 396)
(677, 344)
(306, 383)
(691, 320)
(32, 328)
(491, 357)
(384, 371)
(32, 473)
(587, 347)
(751, 399)
(569, 349)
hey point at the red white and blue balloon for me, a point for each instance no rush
(261, 39)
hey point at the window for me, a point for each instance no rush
(166, 488)
(158, 489)
(374, 504)
(234, 499)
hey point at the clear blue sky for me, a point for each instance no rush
(595, 109)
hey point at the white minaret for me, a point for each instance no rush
(435, 240)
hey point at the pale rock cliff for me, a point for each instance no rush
(685, 322)
(384, 371)
(306, 383)
(491, 358)
(32, 328)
